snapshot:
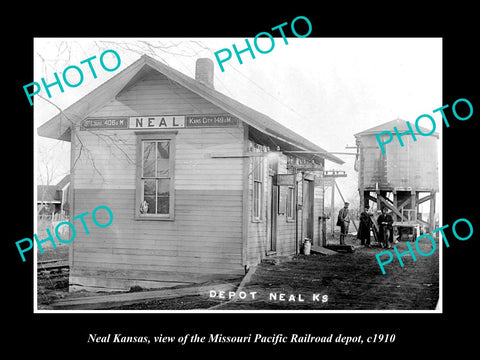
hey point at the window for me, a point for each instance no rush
(257, 174)
(291, 203)
(155, 176)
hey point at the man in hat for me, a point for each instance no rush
(385, 223)
(343, 221)
(364, 227)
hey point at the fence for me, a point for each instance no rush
(50, 221)
(52, 217)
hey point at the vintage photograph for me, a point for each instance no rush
(300, 179)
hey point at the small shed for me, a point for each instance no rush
(53, 199)
(201, 187)
(402, 178)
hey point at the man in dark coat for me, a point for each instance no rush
(364, 227)
(343, 221)
(385, 223)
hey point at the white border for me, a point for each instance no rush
(437, 310)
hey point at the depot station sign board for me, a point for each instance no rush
(159, 122)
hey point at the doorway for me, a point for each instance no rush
(272, 210)
(307, 210)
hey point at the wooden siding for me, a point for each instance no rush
(257, 230)
(285, 229)
(257, 245)
(414, 165)
(156, 94)
(204, 241)
(113, 151)
(107, 159)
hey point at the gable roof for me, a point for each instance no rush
(58, 127)
(47, 194)
(388, 126)
(64, 182)
(52, 193)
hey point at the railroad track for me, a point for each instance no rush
(49, 265)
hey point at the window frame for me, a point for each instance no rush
(291, 204)
(142, 137)
(258, 163)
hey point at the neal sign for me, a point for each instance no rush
(160, 122)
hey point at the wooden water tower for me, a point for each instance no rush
(401, 179)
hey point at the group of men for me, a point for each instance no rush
(382, 227)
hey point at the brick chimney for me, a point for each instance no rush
(204, 72)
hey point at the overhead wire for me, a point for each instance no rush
(259, 86)
(285, 105)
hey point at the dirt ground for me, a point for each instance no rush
(343, 281)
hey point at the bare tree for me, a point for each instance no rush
(63, 53)
(47, 172)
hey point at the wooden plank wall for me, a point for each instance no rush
(414, 165)
(205, 239)
(286, 229)
(318, 207)
(156, 94)
(257, 230)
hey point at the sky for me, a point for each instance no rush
(325, 89)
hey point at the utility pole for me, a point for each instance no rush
(332, 175)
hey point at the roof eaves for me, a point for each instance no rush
(58, 126)
(388, 126)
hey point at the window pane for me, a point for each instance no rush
(290, 202)
(256, 199)
(148, 158)
(163, 155)
(257, 168)
(149, 187)
(255, 196)
(163, 204)
(163, 149)
(259, 197)
(163, 166)
(163, 187)
(151, 203)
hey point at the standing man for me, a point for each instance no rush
(385, 223)
(343, 221)
(364, 227)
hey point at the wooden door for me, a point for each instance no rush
(272, 211)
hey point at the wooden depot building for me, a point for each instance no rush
(201, 187)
